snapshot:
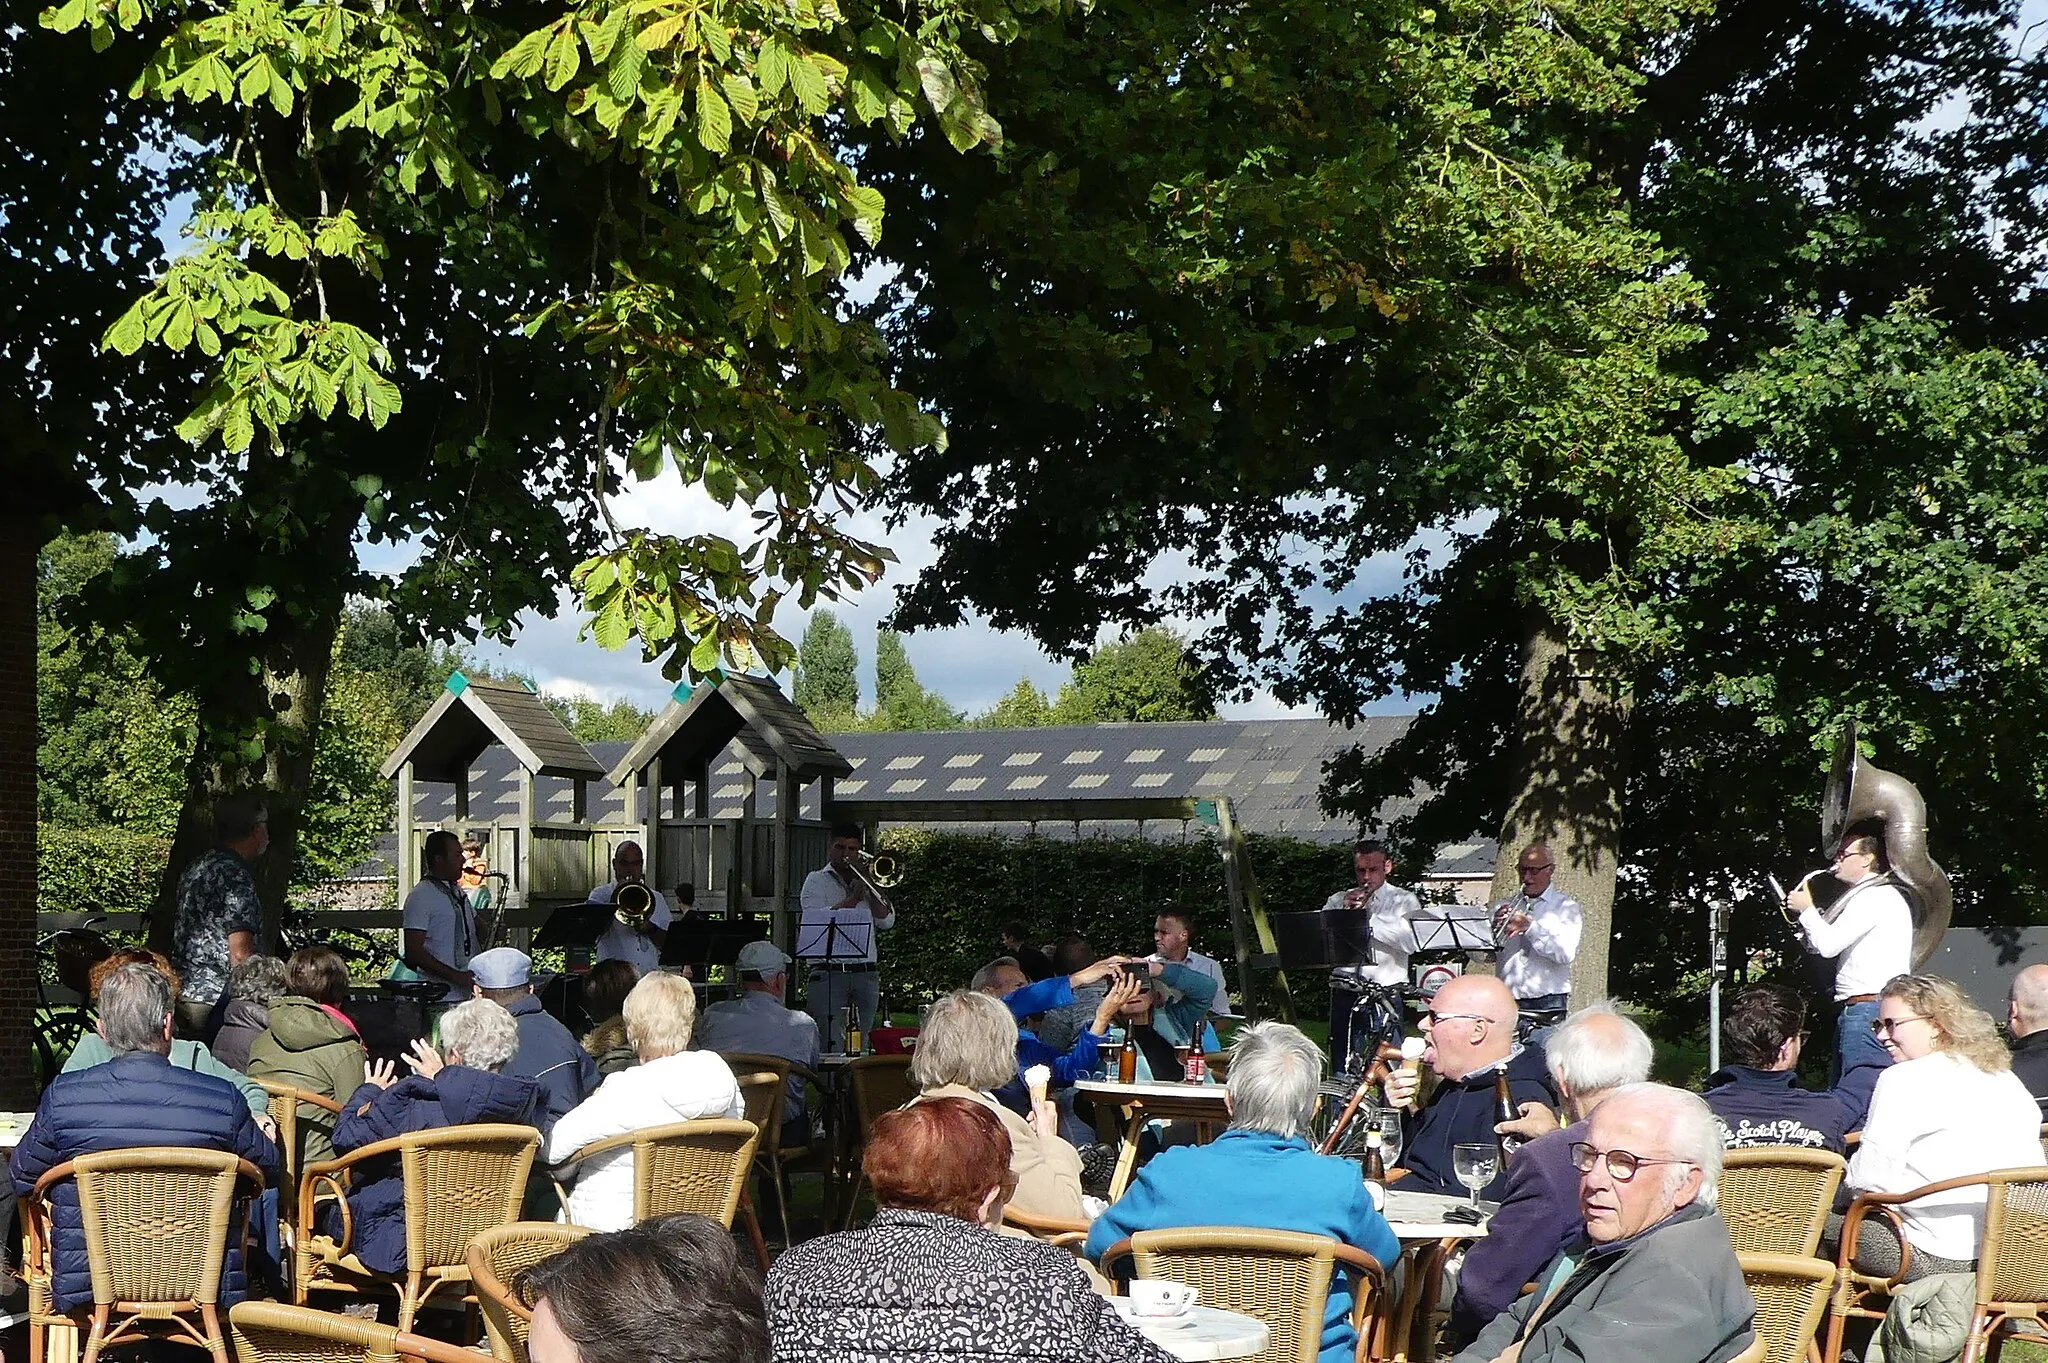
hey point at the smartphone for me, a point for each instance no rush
(1140, 969)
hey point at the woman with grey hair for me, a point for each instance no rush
(251, 987)
(1262, 1172)
(967, 1048)
(457, 1085)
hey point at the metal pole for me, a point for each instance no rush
(1717, 961)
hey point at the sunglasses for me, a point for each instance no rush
(1890, 1026)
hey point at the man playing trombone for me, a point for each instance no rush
(841, 893)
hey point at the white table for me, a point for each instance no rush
(1415, 1215)
(1202, 1104)
(1204, 1334)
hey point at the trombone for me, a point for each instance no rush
(882, 871)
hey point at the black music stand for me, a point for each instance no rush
(575, 925)
(695, 939)
(1323, 938)
(1455, 932)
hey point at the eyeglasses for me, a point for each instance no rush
(1846, 853)
(1890, 1026)
(1532, 870)
(1436, 1019)
(1621, 1164)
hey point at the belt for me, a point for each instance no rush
(845, 967)
(1859, 998)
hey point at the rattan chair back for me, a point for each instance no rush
(1281, 1277)
(764, 1089)
(1776, 1199)
(460, 1180)
(498, 1260)
(881, 1083)
(156, 1221)
(288, 1109)
(270, 1332)
(699, 1166)
(1791, 1294)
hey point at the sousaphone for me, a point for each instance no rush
(1861, 797)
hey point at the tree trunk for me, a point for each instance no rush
(19, 540)
(1569, 765)
(292, 694)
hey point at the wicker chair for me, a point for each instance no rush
(286, 1109)
(881, 1083)
(496, 1260)
(1791, 1294)
(1280, 1277)
(1053, 1230)
(268, 1332)
(459, 1181)
(764, 1083)
(1776, 1199)
(157, 1220)
(699, 1166)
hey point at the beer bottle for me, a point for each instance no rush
(1375, 1157)
(853, 1037)
(1505, 1110)
(1127, 1058)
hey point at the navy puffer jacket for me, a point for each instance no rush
(135, 1099)
(458, 1096)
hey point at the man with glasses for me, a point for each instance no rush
(1539, 929)
(1654, 1277)
(1868, 933)
(1470, 1029)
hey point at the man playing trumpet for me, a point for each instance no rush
(638, 942)
(840, 892)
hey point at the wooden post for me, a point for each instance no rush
(523, 869)
(579, 801)
(787, 792)
(652, 849)
(1245, 904)
(408, 865)
(462, 796)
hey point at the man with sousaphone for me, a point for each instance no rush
(1892, 901)
(639, 926)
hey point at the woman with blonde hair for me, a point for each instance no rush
(1948, 1107)
(967, 1048)
(671, 1084)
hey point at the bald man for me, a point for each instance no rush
(2026, 1017)
(623, 942)
(1470, 1030)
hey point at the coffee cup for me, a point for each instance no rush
(1153, 1297)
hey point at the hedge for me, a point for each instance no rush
(97, 870)
(959, 890)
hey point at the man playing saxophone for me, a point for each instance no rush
(637, 942)
(840, 893)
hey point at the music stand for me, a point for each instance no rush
(695, 939)
(833, 940)
(1466, 932)
(575, 925)
(1322, 938)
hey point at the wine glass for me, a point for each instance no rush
(1475, 1166)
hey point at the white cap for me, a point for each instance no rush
(761, 958)
(501, 968)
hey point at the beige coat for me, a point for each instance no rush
(1048, 1169)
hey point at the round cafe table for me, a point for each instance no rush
(1205, 1333)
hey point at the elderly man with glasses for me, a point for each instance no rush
(1471, 1035)
(1654, 1278)
(1538, 927)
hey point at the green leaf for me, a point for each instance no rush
(564, 59)
(65, 17)
(525, 57)
(237, 431)
(808, 84)
(714, 120)
(771, 68)
(127, 333)
(609, 627)
(739, 93)
(704, 656)
(865, 202)
(622, 77)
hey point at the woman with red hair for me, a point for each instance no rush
(930, 1278)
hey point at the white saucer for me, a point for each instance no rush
(1183, 1321)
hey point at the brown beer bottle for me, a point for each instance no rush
(1375, 1158)
(1127, 1058)
(853, 1036)
(1505, 1110)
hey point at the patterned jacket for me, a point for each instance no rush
(921, 1286)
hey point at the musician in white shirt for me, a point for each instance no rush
(1539, 932)
(621, 942)
(836, 893)
(1868, 932)
(1393, 934)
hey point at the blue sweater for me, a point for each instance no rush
(1762, 1107)
(1254, 1178)
(552, 1058)
(134, 1099)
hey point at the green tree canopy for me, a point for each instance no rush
(826, 686)
(1023, 707)
(901, 700)
(1146, 678)
(593, 721)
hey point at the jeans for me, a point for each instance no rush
(828, 994)
(1854, 1044)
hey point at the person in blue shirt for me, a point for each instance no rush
(1262, 1173)
(1755, 1098)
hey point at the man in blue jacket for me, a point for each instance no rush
(1754, 1097)
(548, 1053)
(1262, 1173)
(137, 1098)
(1471, 1026)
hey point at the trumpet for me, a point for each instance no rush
(633, 905)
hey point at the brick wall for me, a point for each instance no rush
(18, 542)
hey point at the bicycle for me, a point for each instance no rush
(63, 1019)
